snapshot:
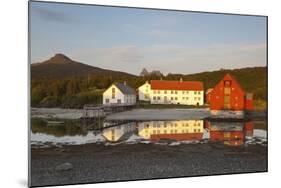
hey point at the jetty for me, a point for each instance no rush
(94, 111)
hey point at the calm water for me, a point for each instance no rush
(67, 132)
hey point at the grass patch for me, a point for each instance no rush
(260, 105)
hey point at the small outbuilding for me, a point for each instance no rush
(119, 93)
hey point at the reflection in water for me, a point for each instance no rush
(182, 131)
(174, 130)
(68, 128)
(231, 133)
(119, 133)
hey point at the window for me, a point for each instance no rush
(158, 98)
(227, 90)
(176, 92)
(195, 92)
(154, 98)
(183, 98)
(198, 98)
(172, 92)
(183, 92)
(106, 100)
(186, 92)
(154, 91)
(227, 83)
(165, 92)
(159, 92)
(118, 101)
(113, 93)
(195, 98)
(186, 98)
(199, 92)
(172, 98)
(176, 98)
(146, 96)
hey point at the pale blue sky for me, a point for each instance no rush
(128, 39)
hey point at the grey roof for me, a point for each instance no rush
(125, 88)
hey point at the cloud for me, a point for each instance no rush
(174, 58)
(159, 26)
(51, 15)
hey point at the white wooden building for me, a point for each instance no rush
(119, 93)
(173, 92)
(144, 92)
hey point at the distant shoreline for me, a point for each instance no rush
(143, 114)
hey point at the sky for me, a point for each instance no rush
(129, 39)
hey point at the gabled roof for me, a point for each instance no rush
(125, 89)
(228, 76)
(176, 85)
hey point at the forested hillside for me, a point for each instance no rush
(61, 82)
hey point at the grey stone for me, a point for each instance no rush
(64, 167)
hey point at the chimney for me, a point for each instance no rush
(180, 79)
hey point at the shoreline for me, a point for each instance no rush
(143, 114)
(98, 163)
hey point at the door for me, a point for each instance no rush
(227, 93)
(165, 99)
(226, 102)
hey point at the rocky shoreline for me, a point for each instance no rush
(93, 163)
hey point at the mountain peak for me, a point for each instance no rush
(60, 59)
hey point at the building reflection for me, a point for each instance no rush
(175, 130)
(229, 133)
(119, 133)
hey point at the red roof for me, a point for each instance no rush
(176, 85)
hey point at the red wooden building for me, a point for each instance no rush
(229, 95)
